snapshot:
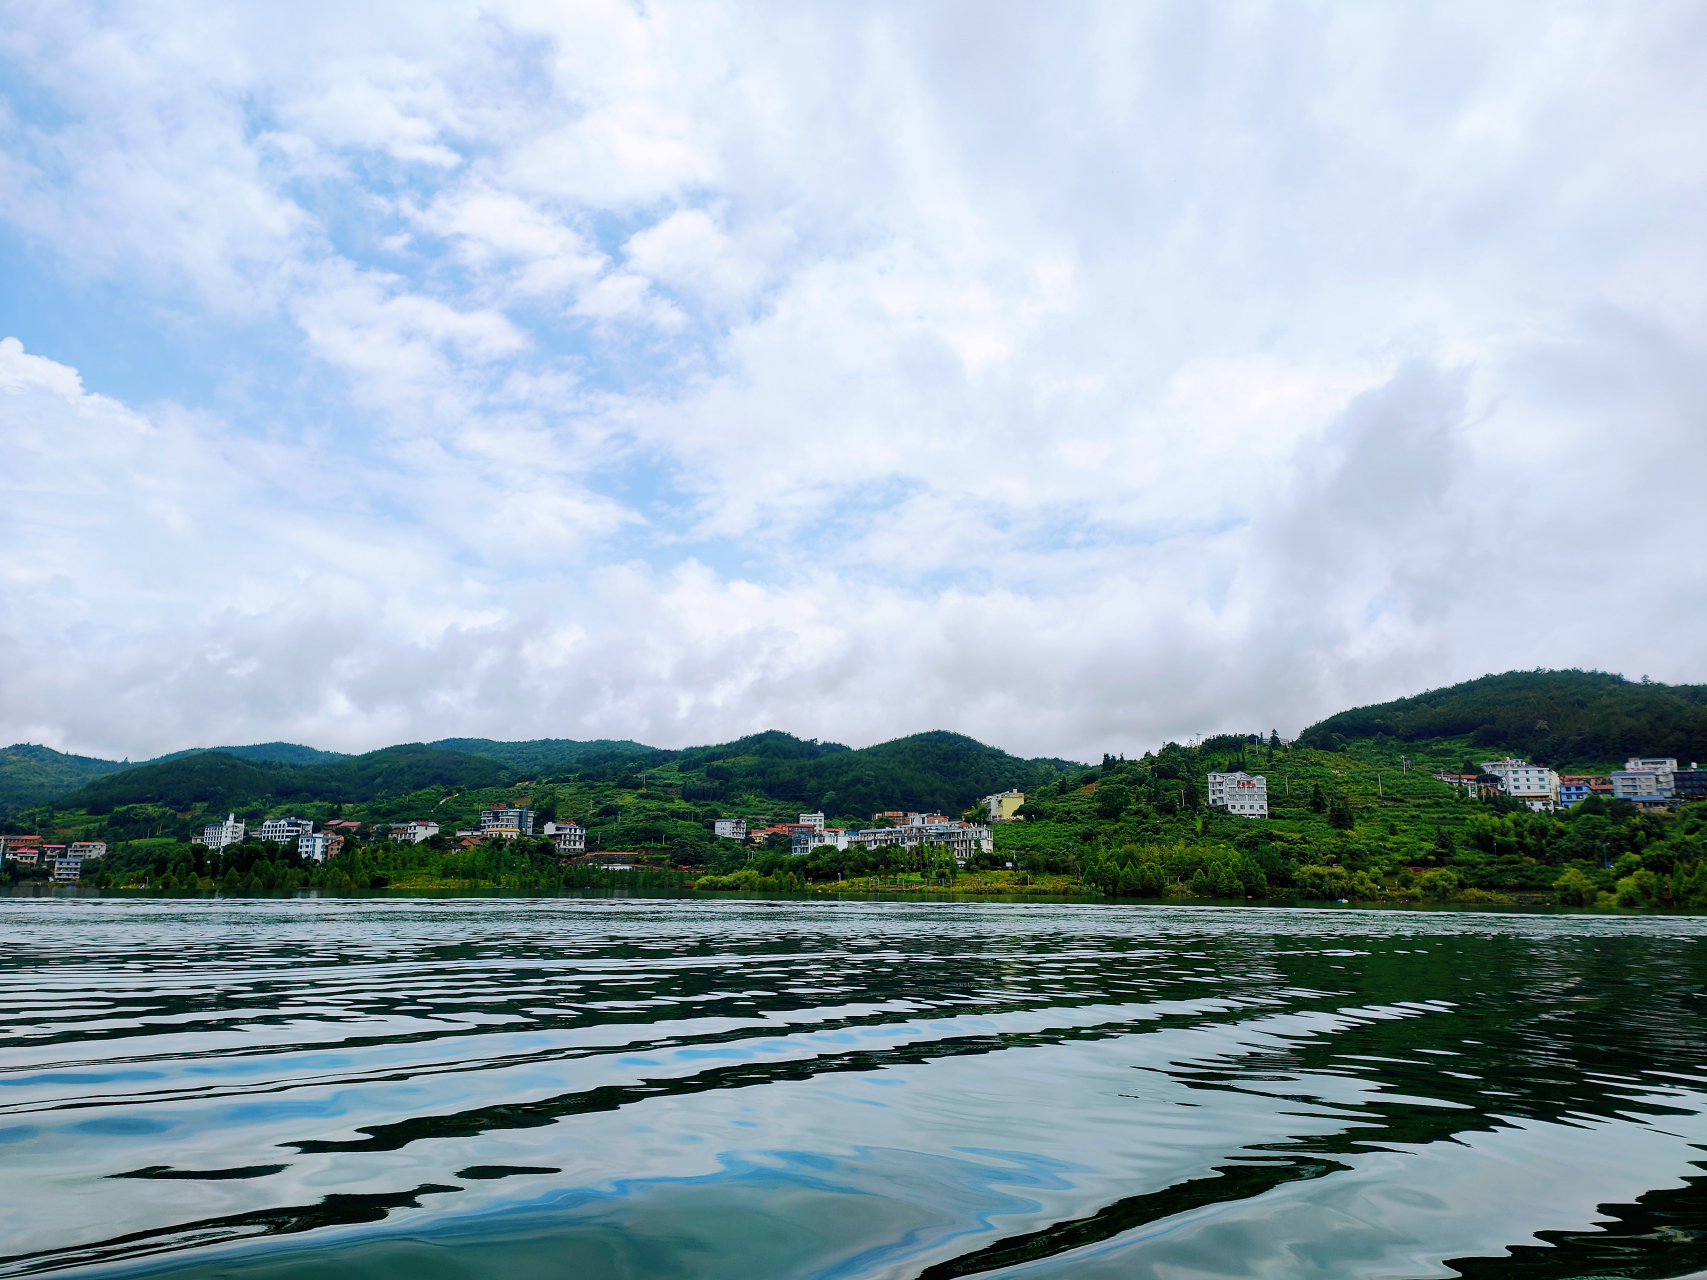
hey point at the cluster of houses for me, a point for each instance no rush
(899, 829)
(316, 846)
(66, 861)
(1648, 782)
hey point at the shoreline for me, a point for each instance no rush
(26, 892)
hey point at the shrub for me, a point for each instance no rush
(1575, 889)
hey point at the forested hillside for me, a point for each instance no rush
(550, 757)
(277, 752)
(31, 775)
(217, 781)
(938, 771)
(1567, 719)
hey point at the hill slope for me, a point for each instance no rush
(542, 756)
(216, 780)
(31, 775)
(275, 752)
(1568, 719)
(938, 771)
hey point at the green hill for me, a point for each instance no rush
(936, 771)
(215, 780)
(542, 757)
(1567, 719)
(31, 775)
(274, 752)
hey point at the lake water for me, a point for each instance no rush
(661, 1088)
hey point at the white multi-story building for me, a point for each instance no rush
(1664, 769)
(500, 821)
(1002, 805)
(1639, 784)
(1242, 794)
(1534, 784)
(813, 820)
(88, 849)
(416, 831)
(317, 846)
(12, 846)
(569, 837)
(67, 870)
(963, 839)
(216, 835)
(285, 830)
(730, 828)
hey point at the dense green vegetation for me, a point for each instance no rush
(216, 780)
(1355, 812)
(31, 775)
(277, 752)
(548, 757)
(1567, 719)
(1366, 823)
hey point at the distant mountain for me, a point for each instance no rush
(31, 775)
(936, 771)
(222, 781)
(1563, 718)
(547, 757)
(275, 752)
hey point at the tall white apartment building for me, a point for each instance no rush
(509, 822)
(316, 846)
(1241, 794)
(730, 828)
(1534, 784)
(216, 835)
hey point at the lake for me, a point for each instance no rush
(592, 1087)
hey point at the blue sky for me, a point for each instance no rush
(1074, 378)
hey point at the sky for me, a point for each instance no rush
(1077, 377)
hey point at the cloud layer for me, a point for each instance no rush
(1075, 380)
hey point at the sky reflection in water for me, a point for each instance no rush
(665, 1088)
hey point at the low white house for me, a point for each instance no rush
(1241, 794)
(568, 837)
(415, 832)
(88, 849)
(285, 830)
(1003, 804)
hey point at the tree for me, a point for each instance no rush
(1439, 885)
(1318, 802)
(1575, 889)
(1112, 798)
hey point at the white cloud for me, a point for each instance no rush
(1073, 378)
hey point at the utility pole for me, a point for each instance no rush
(1378, 790)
